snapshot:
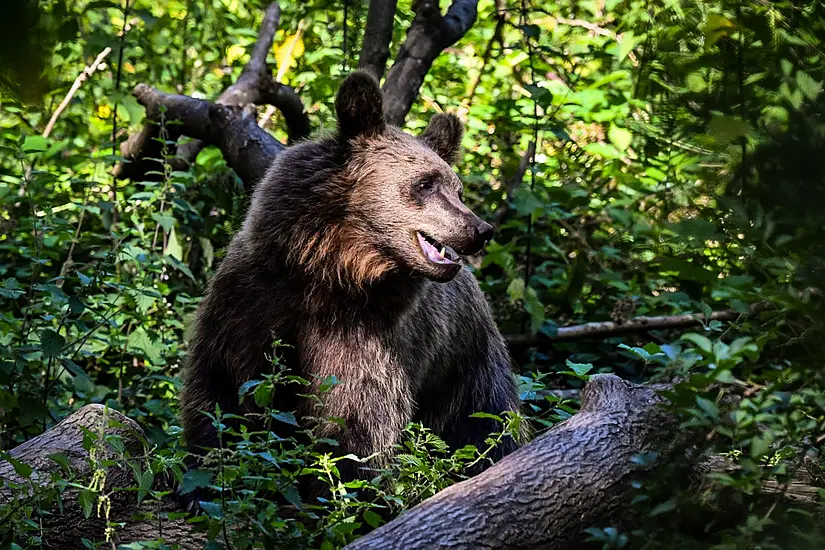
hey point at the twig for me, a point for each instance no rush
(81, 78)
(609, 328)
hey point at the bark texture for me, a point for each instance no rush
(247, 148)
(429, 34)
(547, 493)
(377, 36)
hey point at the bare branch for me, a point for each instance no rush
(81, 78)
(609, 328)
(254, 86)
(248, 149)
(377, 37)
(429, 34)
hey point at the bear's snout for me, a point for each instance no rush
(477, 233)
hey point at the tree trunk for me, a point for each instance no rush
(546, 494)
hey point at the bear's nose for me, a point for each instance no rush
(484, 232)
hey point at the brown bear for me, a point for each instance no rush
(350, 255)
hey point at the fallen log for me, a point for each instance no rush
(547, 493)
(67, 528)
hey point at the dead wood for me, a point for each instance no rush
(255, 86)
(606, 329)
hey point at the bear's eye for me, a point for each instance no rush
(425, 185)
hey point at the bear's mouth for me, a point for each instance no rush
(436, 252)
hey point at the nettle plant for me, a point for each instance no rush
(256, 475)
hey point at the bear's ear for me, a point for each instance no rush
(359, 106)
(443, 135)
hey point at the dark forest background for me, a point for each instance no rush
(638, 158)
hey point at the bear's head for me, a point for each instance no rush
(404, 192)
(369, 201)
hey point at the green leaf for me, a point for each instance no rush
(74, 368)
(35, 144)
(63, 461)
(760, 445)
(11, 289)
(809, 86)
(165, 221)
(581, 369)
(285, 417)
(717, 26)
(701, 342)
(246, 387)
(139, 339)
(626, 44)
(180, 266)
(145, 481)
(535, 308)
(372, 519)
(515, 290)
(619, 137)
(695, 82)
(708, 407)
(87, 500)
(20, 468)
(51, 343)
(212, 509)
(263, 395)
(173, 247)
(195, 479)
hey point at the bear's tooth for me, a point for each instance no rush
(442, 250)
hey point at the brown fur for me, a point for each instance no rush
(328, 261)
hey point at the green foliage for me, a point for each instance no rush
(678, 169)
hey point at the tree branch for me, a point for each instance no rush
(607, 329)
(377, 37)
(255, 86)
(247, 148)
(429, 34)
(81, 78)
